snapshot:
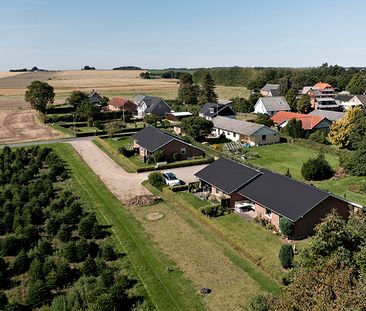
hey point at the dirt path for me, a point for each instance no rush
(122, 184)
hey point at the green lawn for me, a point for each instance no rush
(193, 200)
(280, 157)
(168, 291)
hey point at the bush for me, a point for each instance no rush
(286, 256)
(286, 227)
(319, 137)
(317, 168)
(156, 179)
(259, 303)
(126, 152)
(212, 210)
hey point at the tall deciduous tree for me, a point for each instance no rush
(339, 134)
(76, 98)
(303, 104)
(208, 90)
(197, 127)
(86, 109)
(357, 84)
(291, 99)
(39, 94)
(294, 128)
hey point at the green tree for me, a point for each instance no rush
(319, 137)
(317, 168)
(354, 162)
(291, 99)
(64, 273)
(114, 127)
(264, 119)
(285, 85)
(156, 179)
(294, 128)
(197, 127)
(242, 105)
(357, 84)
(36, 270)
(108, 252)
(87, 226)
(259, 303)
(38, 294)
(20, 263)
(303, 104)
(286, 227)
(64, 233)
(76, 98)
(152, 119)
(187, 91)
(39, 94)
(208, 90)
(104, 101)
(89, 267)
(87, 109)
(286, 256)
(357, 133)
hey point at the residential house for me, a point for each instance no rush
(271, 196)
(177, 116)
(328, 114)
(357, 100)
(272, 90)
(122, 104)
(271, 105)
(322, 96)
(245, 132)
(94, 97)
(151, 105)
(343, 98)
(150, 139)
(310, 123)
(221, 108)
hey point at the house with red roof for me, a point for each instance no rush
(310, 123)
(122, 104)
(322, 96)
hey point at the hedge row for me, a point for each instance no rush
(185, 163)
(180, 188)
(99, 116)
(61, 109)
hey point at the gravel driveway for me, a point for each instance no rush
(122, 184)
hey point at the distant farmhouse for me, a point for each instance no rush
(271, 105)
(271, 196)
(310, 123)
(244, 132)
(94, 97)
(272, 90)
(150, 140)
(122, 104)
(221, 108)
(151, 105)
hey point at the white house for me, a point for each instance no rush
(357, 100)
(245, 132)
(271, 105)
(151, 105)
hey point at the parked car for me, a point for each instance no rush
(171, 179)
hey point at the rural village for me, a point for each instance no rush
(205, 186)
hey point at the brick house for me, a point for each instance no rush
(150, 140)
(271, 196)
(122, 104)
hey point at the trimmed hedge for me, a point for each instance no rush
(180, 188)
(61, 109)
(86, 134)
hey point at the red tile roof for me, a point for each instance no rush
(119, 102)
(322, 85)
(308, 121)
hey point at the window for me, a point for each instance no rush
(268, 213)
(264, 137)
(183, 151)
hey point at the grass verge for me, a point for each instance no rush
(167, 290)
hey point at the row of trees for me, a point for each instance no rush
(52, 251)
(351, 79)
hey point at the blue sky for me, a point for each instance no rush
(68, 34)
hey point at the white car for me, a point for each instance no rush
(171, 179)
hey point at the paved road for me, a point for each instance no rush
(122, 184)
(51, 141)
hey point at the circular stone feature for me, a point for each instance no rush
(154, 216)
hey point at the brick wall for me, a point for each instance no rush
(175, 146)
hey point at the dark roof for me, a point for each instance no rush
(152, 139)
(227, 175)
(362, 98)
(344, 97)
(275, 92)
(283, 195)
(155, 105)
(213, 109)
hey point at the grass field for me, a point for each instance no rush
(280, 157)
(167, 290)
